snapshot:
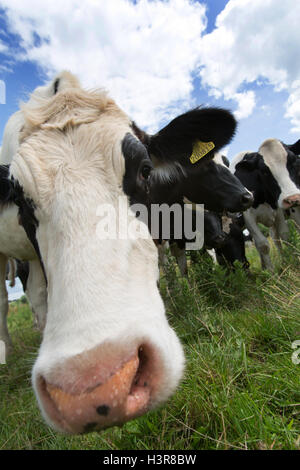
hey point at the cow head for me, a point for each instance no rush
(217, 188)
(233, 249)
(108, 353)
(271, 173)
(214, 236)
(206, 180)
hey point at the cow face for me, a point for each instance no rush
(214, 236)
(233, 249)
(106, 349)
(271, 173)
(108, 353)
(217, 188)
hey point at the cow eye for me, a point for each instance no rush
(145, 172)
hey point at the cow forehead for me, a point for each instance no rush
(71, 142)
(273, 152)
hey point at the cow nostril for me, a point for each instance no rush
(103, 410)
(247, 200)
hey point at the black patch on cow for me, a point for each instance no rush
(138, 167)
(293, 164)
(6, 187)
(56, 85)
(257, 177)
(103, 410)
(23, 272)
(295, 148)
(27, 218)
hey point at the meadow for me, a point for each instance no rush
(241, 388)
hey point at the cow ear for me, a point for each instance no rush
(191, 136)
(250, 161)
(295, 148)
(6, 186)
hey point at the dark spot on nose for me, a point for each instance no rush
(89, 427)
(103, 410)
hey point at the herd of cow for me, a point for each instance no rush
(108, 353)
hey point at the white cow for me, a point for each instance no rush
(105, 321)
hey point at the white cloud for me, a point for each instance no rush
(3, 47)
(253, 40)
(148, 53)
(246, 104)
(293, 107)
(144, 54)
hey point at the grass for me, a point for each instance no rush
(241, 389)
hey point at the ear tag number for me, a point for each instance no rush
(200, 149)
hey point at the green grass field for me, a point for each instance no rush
(241, 389)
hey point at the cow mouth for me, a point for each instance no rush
(288, 204)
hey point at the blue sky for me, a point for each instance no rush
(160, 58)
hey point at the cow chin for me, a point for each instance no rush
(108, 385)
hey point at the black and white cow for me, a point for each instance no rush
(233, 249)
(108, 353)
(272, 176)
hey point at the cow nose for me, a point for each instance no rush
(291, 201)
(247, 200)
(90, 403)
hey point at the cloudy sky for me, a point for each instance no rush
(159, 58)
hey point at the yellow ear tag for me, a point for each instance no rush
(200, 149)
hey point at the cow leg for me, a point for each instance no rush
(36, 292)
(4, 335)
(180, 256)
(280, 229)
(162, 257)
(12, 272)
(295, 216)
(261, 242)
